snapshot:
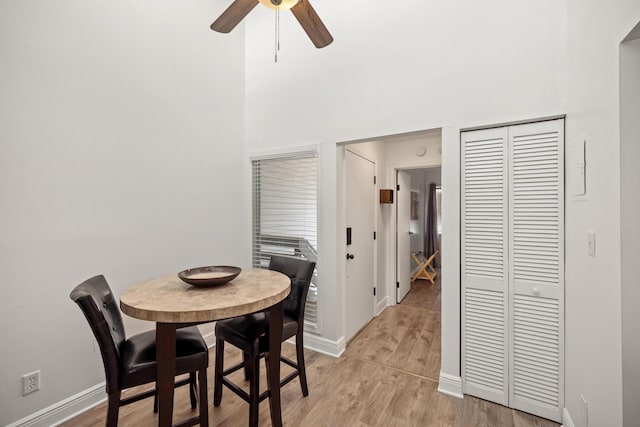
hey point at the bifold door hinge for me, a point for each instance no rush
(374, 180)
(398, 187)
(398, 285)
(374, 292)
(374, 235)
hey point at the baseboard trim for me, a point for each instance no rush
(450, 385)
(382, 305)
(71, 407)
(66, 409)
(566, 419)
(324, 346)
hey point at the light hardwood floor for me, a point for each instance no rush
(387, 377)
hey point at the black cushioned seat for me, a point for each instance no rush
(138, 355)
(132, 362)
(249, 334)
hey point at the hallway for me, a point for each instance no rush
(405, 337)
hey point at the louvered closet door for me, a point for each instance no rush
(484, 264)
(536, 268)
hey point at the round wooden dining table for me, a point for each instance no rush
(172, 303)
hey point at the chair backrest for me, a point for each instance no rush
(300, 271)
(95, 299)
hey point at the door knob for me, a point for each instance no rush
(350, 256)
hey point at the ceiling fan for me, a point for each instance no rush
(301, 9)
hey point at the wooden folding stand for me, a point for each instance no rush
(425, 267)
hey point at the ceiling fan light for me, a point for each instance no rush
(284, 5)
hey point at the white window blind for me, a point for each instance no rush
(285, 215)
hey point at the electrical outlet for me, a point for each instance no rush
(30, 382)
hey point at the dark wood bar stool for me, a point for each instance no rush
(130, 362)
(248, 333)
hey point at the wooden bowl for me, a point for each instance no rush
(209, 276)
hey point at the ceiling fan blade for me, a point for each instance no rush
(233, 15)
(311, 24)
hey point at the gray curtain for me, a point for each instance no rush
(431, 225)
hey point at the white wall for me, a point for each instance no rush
(393, 70)
(433, 175)
(120, 126)
(593, 291)
(396, 69)
(630, 237)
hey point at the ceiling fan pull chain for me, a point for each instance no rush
(275, 47)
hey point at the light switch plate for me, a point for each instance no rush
(578, 168)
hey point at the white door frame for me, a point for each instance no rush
(403, 204)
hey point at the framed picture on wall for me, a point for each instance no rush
(414, 205)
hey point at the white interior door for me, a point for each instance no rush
(485, 265)
(403, 236)
(513, 266)
(536, 268)
(360, 206)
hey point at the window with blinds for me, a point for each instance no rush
(285, 215)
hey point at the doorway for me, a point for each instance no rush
(407, 335)
(418, 227)
(411, 151)
(437, 147)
